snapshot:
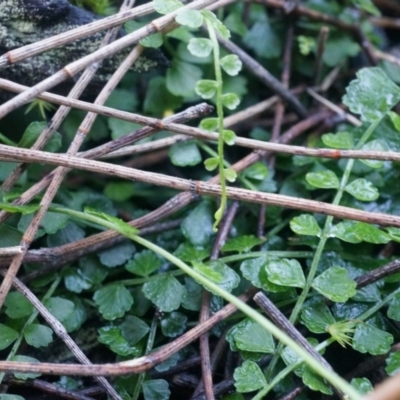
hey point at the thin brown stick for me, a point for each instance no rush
(353, 29)
(61, 332)
(265, 77)
(206, 366)
(9, 153)
(322, 37)
(277, 317)
(48, 388)
(63, 111)
(22, 53)
(192, 112)
(70, 70)
(135, 366)
(378, 273)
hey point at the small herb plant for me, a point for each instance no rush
(211, 88)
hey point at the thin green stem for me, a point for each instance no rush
(321, 245)
(286, 371)
(149, 347)
(220, 117)
(126, 230)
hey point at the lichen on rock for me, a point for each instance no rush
(24, 22)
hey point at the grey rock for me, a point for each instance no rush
(24, 22)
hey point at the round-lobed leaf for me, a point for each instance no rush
(323, 179)
(231, 64)
(190, 18)
(335, 284)
(248, 377)
(200, 47)
(362, 190)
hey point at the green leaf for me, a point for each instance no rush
(182, 77)
(372, 94)
(323, 179)
(362, 190)
(209, 124)
(368, 339)
(335, 284)
(117, 255)
(119, 191)
(26, 376)
(362, 385)
(271, 44)
(206, 88)
(285, 272)
(78, 316)
(153, 41)
(51, 222)
(368, 6)
(189, 253)
(174, 324)
(395, 118)
(230, 174)
(248, 377)
(248, 335)
(113, 301)
(343, 231)
(27, 209)
(317, 317)
(208, 272)
(374, 145)
(197, 226)
(89, 273)
(192, 302)
(133, 329)
(242, 244)
(394, 308)
(394, 233)
(305, 224)
(340, 140)
(229, 137)
(184, 154)
(200, 47)
(231, 64)
(393, 363)
(211, 163)
(158, 98)
(38, 335)
(307, 44)
(10, 397)
(9, 236)
(120, 128)
(60, 308)
(369, 233)
(112, 337)
(17, 305)
(32, 133)
(228, 279)
(338, 49)
(166, 292)
(230, 101)
(190, 18)
(7, 336)
(156, 389)
(219, 27)
(144, 263)
(257, 171)
(121, 226)
(166, 6)
(312, 380)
